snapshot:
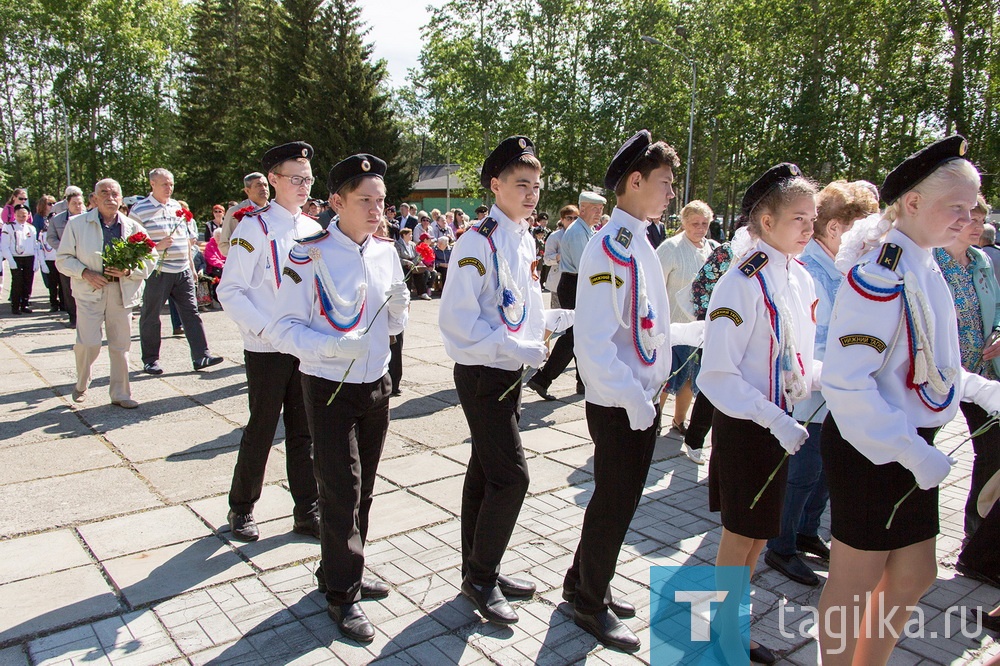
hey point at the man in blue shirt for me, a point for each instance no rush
(571, 247)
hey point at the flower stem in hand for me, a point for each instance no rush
(368, 328)
(782, 461)
(524, 374)
(990, 422)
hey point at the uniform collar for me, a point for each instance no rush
(912, 250)
(505, 222)
(623, 219)
(282, 214)
(154, 202)
(340, 237)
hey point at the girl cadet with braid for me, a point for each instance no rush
(758, 363)
(892, 377)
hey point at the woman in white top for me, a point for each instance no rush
(681, 257)
(892, 377)
(758, 362)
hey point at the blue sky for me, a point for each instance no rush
(395, 31)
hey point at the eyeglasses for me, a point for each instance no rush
(22, 198)
(298, 181)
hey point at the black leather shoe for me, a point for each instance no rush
(308, 526)
(812, 545)
(969, 572)
(243, 526)
(792, 567)
(619, 607)
(153, 368)
(352, 621)
(207, 362)
(761, 655)
(607, 628)
(985, 620)
(371, 588)
(515, 587)
(537, 388)
(581, 389)
(490, 602)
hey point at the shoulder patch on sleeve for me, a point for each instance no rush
(243, 243)
(287, 270)
(319, 235)
(472, 261)
(863, 339)
(487, 228)
(889, 256)
(598, 278)
(752, 266)
(728, 313)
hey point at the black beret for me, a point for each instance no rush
(286, 151)
(22, 207)
(509, 150)
(921, 164)
(482, 209)
(352, 168)
(773, 177)
(626, 157)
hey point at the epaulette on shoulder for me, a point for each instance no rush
(318, 236)
(488, 226)
(889, 256)
(752, 266)
(624, 238)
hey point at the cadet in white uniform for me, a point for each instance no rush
(493, 324)
(249, 292)
(893, 376)
(20, 248)
(329, 314)
(622, 347)
(758, 363)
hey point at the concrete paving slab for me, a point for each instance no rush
(161, 573)
(547, 475)
(580, 458)
(419, 468)
(275, 502)
(400, 511)
(445, 493)
(13, 656)
(278, 545)
(134, 639)
(55, 600)
(40, 554)
(38, 460)
(213, 469)
(546, 440)
(187, 432)
(142, 531)
(57, 420)
(65, 500)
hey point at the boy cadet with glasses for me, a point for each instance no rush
(249, 293)
(330, 314)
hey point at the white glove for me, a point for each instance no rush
(789, 433)
(643, 417)
(399, 299)
(558, 320)
(817, 378)
(691, 334)
(528, 352)
(928, 465)
(354, 345)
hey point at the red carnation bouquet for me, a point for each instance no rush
(186, 214)
(129, 253)
(426, 253)
(242, 212)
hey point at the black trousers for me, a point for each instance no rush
(981, 552)
(396, 360)
(496, 479)
(348, 436)
(21, 278)
(274, 385)
(984, 465)
(179, 287)
(68, 301)
(51, 280)
(621, 462)
(562, 350)
(701, 422)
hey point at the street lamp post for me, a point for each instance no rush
(694, 86)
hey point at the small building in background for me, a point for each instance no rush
(434, 184)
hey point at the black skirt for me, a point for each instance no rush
(862, 495)
(743, 455)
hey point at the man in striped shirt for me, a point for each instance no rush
(164, 221)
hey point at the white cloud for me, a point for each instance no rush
(394, 29)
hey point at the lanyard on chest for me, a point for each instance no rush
(511, 301)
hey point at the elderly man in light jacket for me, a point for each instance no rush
(103, 295)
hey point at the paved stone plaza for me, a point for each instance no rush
(114, 547)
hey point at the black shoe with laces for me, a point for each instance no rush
(207, 362)
(243, 527)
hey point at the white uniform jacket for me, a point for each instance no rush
(738, 367)
(606, 352)
(868, 358)
(470, 322)
(20, 240)
(301, 324)
(258, 252)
